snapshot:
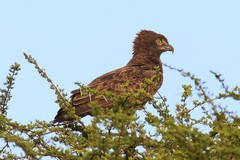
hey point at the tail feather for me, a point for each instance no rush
(81, 105)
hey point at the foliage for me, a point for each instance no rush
(125, 133)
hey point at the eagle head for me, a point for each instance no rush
(149, 42)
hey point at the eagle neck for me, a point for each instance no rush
(145, 59)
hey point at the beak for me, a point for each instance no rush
(169, 48)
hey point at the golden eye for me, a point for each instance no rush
(159, 41)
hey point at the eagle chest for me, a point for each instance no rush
(138, 76)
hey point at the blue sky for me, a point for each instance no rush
(80, 40)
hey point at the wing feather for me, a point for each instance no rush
(111, 81)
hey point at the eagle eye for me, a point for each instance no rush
(159, 41)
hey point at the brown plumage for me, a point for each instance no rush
(147, 49)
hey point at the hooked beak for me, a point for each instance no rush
(169, 48)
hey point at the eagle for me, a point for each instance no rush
(147, 49)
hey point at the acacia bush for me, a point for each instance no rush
(126, 132)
